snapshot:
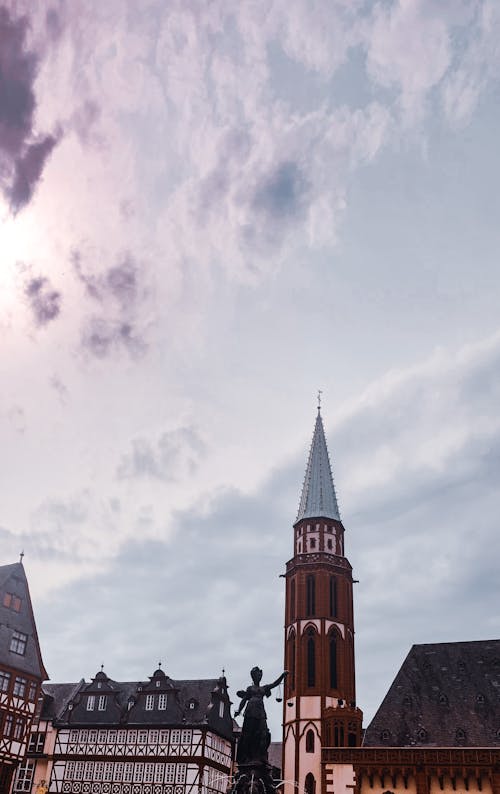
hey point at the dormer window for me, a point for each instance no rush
(385, 735)
(18, 642)
(150, 702)
(422, 735)
(192, 704)
(90, 702)
(162, 702)
(221, 710)
(99, 685)
(443, 700)
(480, 699)
(12, 601)
(102, 703)
(460, 735)
(158, 683)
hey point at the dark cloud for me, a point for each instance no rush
(283, 192)
(177, 453)
(23, 153)
(27, 172)
(43, 299)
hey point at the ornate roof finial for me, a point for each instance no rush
(21, 557)
(319, 400)
(102, 667)
(159, 663)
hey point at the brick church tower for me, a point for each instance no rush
(320, 701)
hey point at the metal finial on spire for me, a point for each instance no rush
(159, 663)
(319, 399)
(21, 556)
(102, 667)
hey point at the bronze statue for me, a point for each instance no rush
(255, 736)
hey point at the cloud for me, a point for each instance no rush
(120, 294)
(176, 454)
(282, 193)
(44, 300)
(23, 152)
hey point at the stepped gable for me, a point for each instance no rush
(445, 695)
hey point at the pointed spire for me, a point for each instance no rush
(318, 498)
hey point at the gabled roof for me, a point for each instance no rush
(13, 580)
(446, 695)
(318, 498)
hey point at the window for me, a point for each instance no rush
(4, 681)
(142, 737)
(333, 596)
(150, 702)
(443, 700)
(460, 735)
(36, 743)
(19, 728)
(90, 702)
(422, 735)
(138, 773)
(180, 773)
(79, 770)
(310, 784)
(128, 772)
(310, 596)
(310, 741)
(385, 735)
(221, 710)
(101, 705)
(169, 773)
(292, 600)
(480, 699)
(12, 602)
(7, 727)
(162, 702)
(24, 777)
(18, 642)
(32, 691)
(149, 771)
(19, 687)
(311, 658)
(312, 543)
(329, 544)
(108, 771)
(407, 701)
(192, 704)
(333, 661)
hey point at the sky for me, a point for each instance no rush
(209, 211)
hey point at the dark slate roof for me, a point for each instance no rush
(446, 695)
(13, 580)
(275, 754)
(66, 703)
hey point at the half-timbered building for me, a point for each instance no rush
(21, 669)
(155, 737)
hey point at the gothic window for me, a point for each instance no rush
(18, 642)
(90, 702)
(313, 543)
(333, 665)
(292, 600)
(333, 596)
(19, 687)
(4, 681)
(310, 784)
(291, 660)
(311, 657)
(329, 544)
(101, 705)
(310, 596)
(310, 741)
(150, 702)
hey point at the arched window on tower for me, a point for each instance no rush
(310, 741)
(333, 596)
(310, 784)
(292, 599)
(291, 660)
(310, 596)
(333, 659)
(311, 657)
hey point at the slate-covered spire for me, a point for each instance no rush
(318, 498)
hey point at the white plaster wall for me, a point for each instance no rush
(339, 779)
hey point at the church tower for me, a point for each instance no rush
(320, 701)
